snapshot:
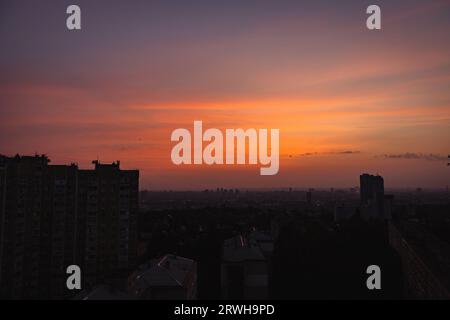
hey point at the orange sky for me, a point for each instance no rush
(346, 100)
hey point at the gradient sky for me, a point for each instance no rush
(346, 100)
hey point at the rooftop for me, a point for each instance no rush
(239, 249)
(168, 271)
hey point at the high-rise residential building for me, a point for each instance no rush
(58, 239)
(107, 213)
(21, 225)
(53, 216)
(2, 211)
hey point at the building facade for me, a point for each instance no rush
(53, 216)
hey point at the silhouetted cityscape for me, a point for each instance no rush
(214, 244)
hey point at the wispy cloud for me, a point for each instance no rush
(345, 152)
(416, 156)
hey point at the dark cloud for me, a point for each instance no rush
(346, 152)
(306, 154)
(416, 156)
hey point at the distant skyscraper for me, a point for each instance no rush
(52, 216)
(309, 197)
(372, 194)
(370, 186)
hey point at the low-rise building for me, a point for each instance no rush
(171, 277)
(245, 267)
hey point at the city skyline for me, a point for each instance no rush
(346, 100)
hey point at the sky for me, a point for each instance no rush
(347, 100)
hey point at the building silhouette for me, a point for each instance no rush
(23, 226)
(245, 267)
(107, 211)
(168, 278)
(53, 216)
(372, 195)
(371, 188)
(309, 197)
